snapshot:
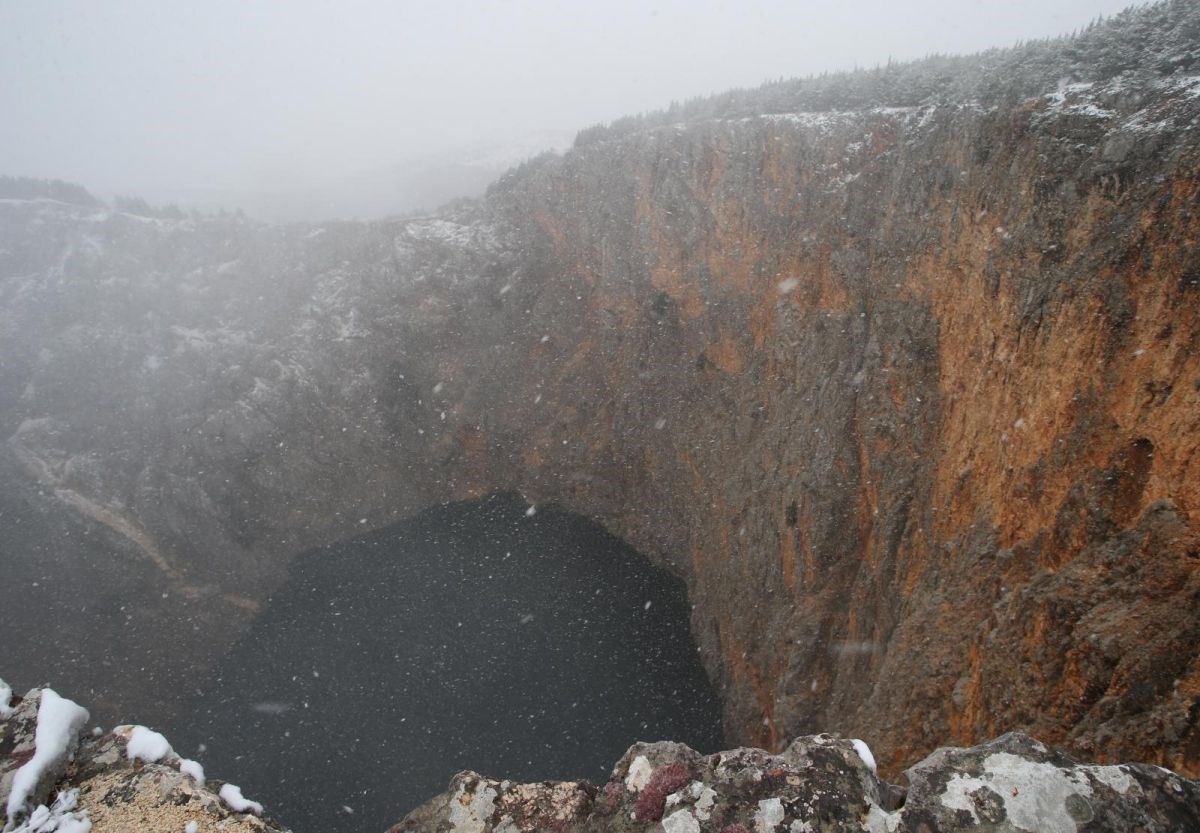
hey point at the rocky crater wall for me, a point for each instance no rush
(910, 397)
(907, 392)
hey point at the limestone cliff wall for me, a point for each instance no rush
(910, 397)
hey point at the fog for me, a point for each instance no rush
(220, 103)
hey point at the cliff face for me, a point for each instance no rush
(911, 397)
(909, 393)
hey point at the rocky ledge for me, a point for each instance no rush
(828, 784)
(57, 778)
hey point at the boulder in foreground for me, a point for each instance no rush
(823, 783)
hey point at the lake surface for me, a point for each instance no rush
(473, 636)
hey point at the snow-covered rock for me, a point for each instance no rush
(231, 794)
(145, 744)
(128, 779)
(55, 736)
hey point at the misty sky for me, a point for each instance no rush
(161, 96)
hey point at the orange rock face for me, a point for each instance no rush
(911, 398)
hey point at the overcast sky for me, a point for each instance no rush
(163, 95)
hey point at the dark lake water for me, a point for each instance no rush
(471, 637)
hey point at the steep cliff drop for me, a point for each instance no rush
(899, 370)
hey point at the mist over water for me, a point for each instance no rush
(471, 637)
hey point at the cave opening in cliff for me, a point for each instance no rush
(474, 636)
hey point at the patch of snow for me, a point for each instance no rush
(231, 794)
(1090, 109)
(1072, 99)
(59, 722)
(787, 285)
(1141, 122)
(827, 119)
(864, 752)
(60, 817)
(1189, 85)
(818, 121)
(927, 114)
(441, 231)
(189, 767)
(6, 710)
(192, 827)
(147, 745)
(531, 511)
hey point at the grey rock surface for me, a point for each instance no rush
(1013, 784)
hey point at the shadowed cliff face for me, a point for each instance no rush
(909, 396)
